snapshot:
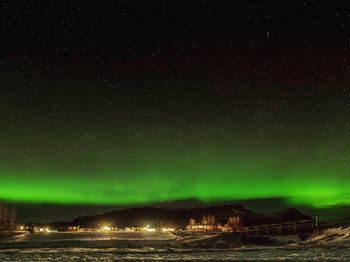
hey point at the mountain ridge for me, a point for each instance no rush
(179, 218)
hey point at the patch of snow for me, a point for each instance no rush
(331, 234)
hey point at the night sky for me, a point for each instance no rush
(124, 102)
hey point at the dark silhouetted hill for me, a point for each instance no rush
(179, 218)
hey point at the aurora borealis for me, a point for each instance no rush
(223, 160)
(144, 103)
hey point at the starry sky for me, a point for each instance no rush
(124, 102)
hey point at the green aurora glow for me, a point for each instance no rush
(149, 169)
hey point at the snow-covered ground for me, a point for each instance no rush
(337, 234)
(167, 247)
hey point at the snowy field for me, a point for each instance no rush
(331, 245)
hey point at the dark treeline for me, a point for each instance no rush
(7, 220)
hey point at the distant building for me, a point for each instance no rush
(20, 227)
(233, 223)
(64, 226)
(142, 229)
(70, 228)
(39, 229)
(108, 228)
(207, 224)
(87, 229)
(137, 228)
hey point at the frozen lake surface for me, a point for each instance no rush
(139, 246)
